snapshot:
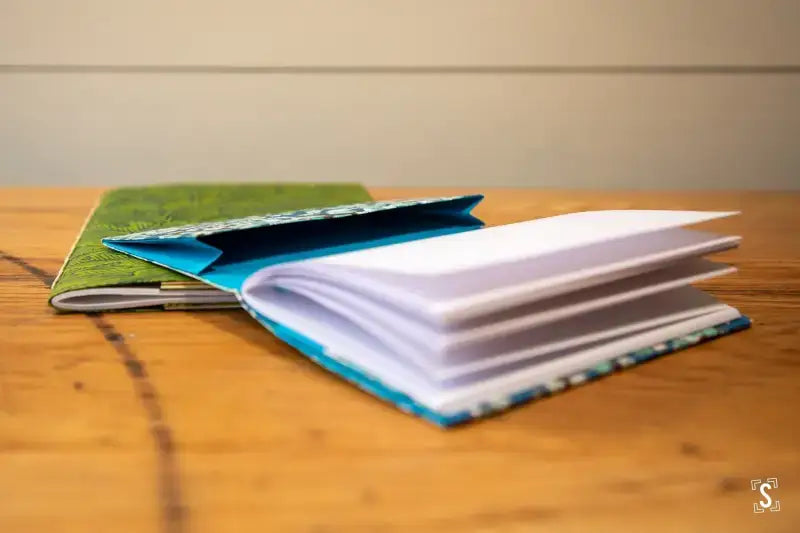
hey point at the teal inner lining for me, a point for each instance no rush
(246, 251)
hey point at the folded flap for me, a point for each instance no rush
(184, 254)
(235, 245)
(301, 215)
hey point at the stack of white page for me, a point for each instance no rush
(458, 325)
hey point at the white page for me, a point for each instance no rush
(573, 333)
(392, 322)
(456, 398)
(131, 297)
(371, 356)
(682, 273)
(515, 242)
(505, 286)
(642, 313)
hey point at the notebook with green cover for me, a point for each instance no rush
(94, 278)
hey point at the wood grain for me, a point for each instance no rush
(202, 422)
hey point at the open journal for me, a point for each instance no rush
(418, 304)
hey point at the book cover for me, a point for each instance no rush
(95, 278)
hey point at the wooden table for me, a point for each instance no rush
(201, 422)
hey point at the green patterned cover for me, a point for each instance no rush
(135, 209)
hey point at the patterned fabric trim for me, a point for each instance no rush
(373, 385)
(302, 215)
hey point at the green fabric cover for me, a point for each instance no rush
(128, 210)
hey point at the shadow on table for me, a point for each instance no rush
(237, 322)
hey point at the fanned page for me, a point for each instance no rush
(462, 324)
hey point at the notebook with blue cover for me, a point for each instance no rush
(417, 303)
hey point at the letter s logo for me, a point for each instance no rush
(763, 489)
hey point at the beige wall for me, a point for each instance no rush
(589, 93)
